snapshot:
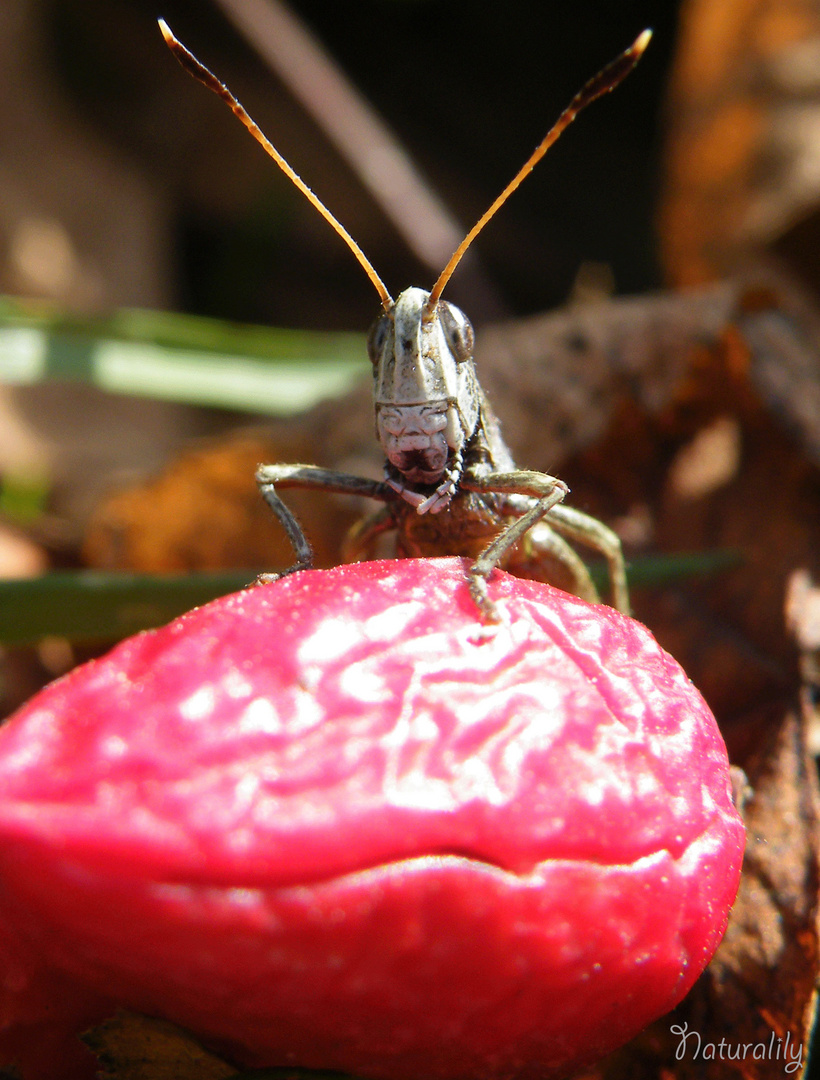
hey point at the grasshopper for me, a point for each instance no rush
(450, 485)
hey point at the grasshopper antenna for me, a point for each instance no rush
(606, 79)
(207, 78)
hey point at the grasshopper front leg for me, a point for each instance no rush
(547, 490)
(268, 477)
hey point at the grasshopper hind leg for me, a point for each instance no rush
(543, 543)
(361, 538)
(587, 530)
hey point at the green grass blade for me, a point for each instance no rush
(89, 605)
(649, 570)
(176, 357)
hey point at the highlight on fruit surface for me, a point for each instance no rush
(336, 822)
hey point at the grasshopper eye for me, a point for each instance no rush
(458, 330)
(376, 338)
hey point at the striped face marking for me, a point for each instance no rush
(425, 388)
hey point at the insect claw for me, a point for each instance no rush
(267, 579)
(481, 597)
(277, 575)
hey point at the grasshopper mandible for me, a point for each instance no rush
(450, 485)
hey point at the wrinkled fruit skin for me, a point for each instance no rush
(337, 822)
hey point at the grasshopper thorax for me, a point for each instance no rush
(425, 393)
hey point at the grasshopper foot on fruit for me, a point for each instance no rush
(277, 575)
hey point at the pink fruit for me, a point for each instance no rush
(338, 822)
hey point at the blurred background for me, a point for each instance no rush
(136, 188)
(142, 232)
(173, 312)
(146, 242)
(123, 183)
(128, 191)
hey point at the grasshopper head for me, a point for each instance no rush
(426, 394)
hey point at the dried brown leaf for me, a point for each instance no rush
(780, 325)
(204, 512)
(742, 143)
(762, 981)
(133, 1047)
(750, 1013)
